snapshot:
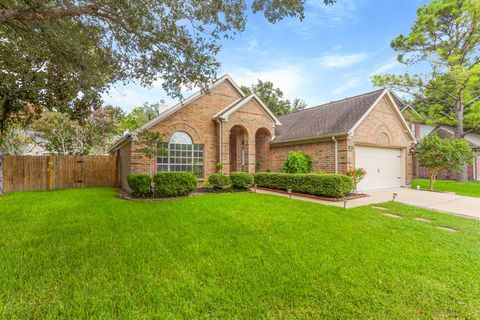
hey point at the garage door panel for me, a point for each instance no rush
(383, 167)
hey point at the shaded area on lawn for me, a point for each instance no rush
(84, 253)
(470, 189)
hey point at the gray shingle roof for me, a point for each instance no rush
(328, 119)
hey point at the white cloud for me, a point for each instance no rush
(341, 60)
(290, 78)
(384, 67)
(350, 84)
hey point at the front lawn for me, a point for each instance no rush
(471, 188)
(84, 253)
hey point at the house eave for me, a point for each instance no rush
(326, 137)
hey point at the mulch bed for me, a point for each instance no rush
(348, 197)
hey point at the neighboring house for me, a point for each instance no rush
(473, 168)
(224, 125)
(417, 124)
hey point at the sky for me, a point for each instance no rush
(330, 55)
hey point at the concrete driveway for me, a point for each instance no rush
(440, 201)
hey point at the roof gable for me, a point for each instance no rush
(395, 109)
(190, 99)
(238, 104)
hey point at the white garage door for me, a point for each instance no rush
(383, 166)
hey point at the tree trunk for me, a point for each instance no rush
(459, 134)
(1, 170)
(433, 176)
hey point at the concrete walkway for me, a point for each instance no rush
(439, 201)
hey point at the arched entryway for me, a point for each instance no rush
(238, 149)
(262, 147)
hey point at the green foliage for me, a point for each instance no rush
(436, 154)
(297, 162)
(273, 98)
(329, 185)
(241, 180)
(268, 170)
(174, 184)
(138, 116)
(17, 141)
(63, 134)
(219, 181)
(151, 145)
(218, 167)
(62, 55)
(446, 35)
(140, 184)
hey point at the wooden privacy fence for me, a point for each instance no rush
(32, 173)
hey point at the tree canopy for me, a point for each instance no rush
(445, 39)
(437, 154)
(273, 98)
(62, 54)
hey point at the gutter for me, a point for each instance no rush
(220, 133)
(336, 154)
(313, 139)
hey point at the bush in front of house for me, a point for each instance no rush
(297, 162)
(139, 183)
(328, 185)
(241, 180)
(174, 184)
(219, 181)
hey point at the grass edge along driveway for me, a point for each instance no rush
(469, 189)
(85, 253)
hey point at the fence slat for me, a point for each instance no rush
(35, 173)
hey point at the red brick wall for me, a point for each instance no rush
(322, 153)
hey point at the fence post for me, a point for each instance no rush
(1, 171)
(50, 173)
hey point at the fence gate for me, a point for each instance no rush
(32, 173)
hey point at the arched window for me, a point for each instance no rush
(182, 156)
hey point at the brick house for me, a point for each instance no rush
(224, 125)
(417, 125)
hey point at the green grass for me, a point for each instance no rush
(471, 188)
(86, 254)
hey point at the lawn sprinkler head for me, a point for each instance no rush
(255, 188)
(345, 199)
(289, 193)
(394, 196)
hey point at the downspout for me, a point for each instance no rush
(336, 153)
(220, 140)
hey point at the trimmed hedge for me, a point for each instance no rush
(242, 180)
(174, 184)
(329, 185)
(139, 183)
(219, 181)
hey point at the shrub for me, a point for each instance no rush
(329, 185)
(218, 167)
(139, 183)
(268, 170)
(297, 162)
(241, 180)
(219, 181)
(174, 184)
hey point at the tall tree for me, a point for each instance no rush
(445, 37)
(138, 116)
(62, 54)
(273, 98)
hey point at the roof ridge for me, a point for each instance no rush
(335, 101)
